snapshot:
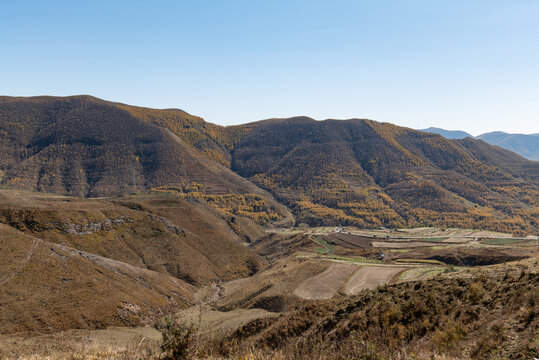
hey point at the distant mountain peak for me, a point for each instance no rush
(448, 134)
(526, 145)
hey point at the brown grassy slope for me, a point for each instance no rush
(365, 173)
(275, 246)
(50, 287)
(190, 241)
(483, 314)
(271, 289)
(84, 146)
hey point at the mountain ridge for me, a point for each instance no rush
(526, 145)
(334, 172)
(331, 172)
(448, 134)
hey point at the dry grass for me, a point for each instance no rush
(485, 314)
(478, 314)
(112, 343)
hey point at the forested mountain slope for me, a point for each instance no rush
(365, 173)
(84, 146)
(332, 172)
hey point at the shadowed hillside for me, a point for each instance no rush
(213, 141)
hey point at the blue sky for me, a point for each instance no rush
(469, 65)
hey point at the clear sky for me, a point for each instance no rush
(471, 65)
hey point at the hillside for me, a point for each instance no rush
(211, 140)
(324, 293)
(523, 144)
(368, 174)
(481, 314)
(333, 172)
(187, 240)
(83, 146)
(50, 287)
(123, 261)
(506, 160)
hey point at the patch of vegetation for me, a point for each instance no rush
(326, 247)
(421, 273)
(178, 340)
(252, 206)
(435, 240)
(419, 261)
(503, 241)
(400, 250)
(343, 258)
(457, 317)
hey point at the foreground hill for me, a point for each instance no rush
(479, 314)
(365, 173)
(50, 287)
(187, 240)
(124, 261)
(526, 145)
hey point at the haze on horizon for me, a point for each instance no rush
(458, 65)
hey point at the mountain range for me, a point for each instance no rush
(333, 172)
(283, 237)
(526, 145)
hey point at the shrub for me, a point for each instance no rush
(476, 292)
(177, 340)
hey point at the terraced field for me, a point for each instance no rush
(399, 256)
(369, 277)
(326, 284)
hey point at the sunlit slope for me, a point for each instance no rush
(50, 287)
(188, 241)
(333, 172)
(365, 173)
(84, 146)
